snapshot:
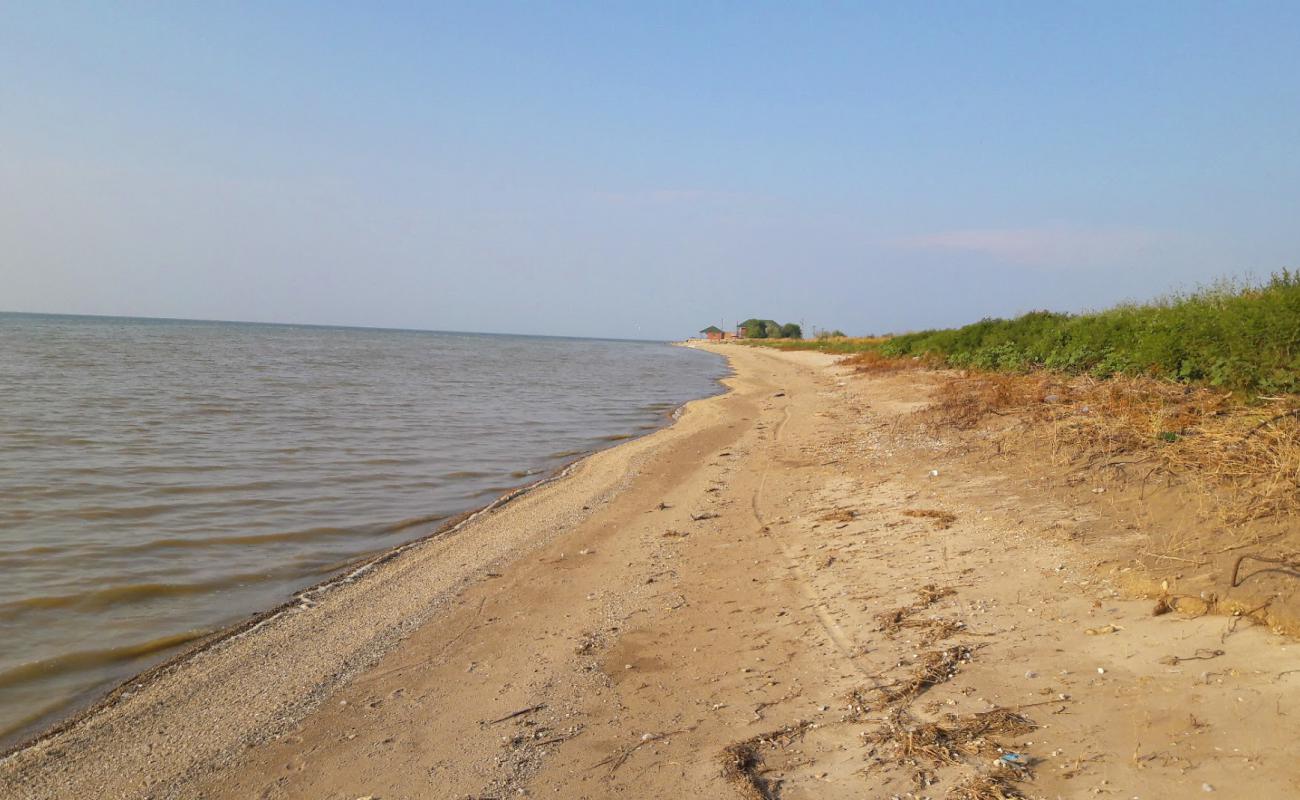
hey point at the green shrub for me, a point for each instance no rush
(1238, 336)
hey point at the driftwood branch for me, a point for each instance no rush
(518, 713)
(1289, 564)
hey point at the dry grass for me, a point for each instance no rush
(930, 594)
(933, 629)
(876, 363)
(984, 787)
(742, 762)
(741, 765)
(925, 746)
(1001, 721)
(1249, 453)
(893, 620)
(935, 667)
(871, 361)
(905, 738)
(963, 402)
(942, 519)
(839, 515)
(950, 741)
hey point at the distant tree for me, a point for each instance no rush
(769, 329)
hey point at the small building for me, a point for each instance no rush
(714, 334)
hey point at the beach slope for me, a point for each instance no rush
(780, 594)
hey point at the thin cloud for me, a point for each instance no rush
(1041, 247)
(679, 197)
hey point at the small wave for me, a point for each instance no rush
(462, 474)
(38, 550)
(126, 594)
(490, 491)
(618, 437)
(153, 469)
(31, 718)
(403, 524)
(209, 410)
(81, 660)
(182, 543)
(20, 557)
(127, 512)
(216, 488)
(387, 461)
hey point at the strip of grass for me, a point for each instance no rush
(1241, 337)
(1236, 336)
(837, 344)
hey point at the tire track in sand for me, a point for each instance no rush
(834, 631)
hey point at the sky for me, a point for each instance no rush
(641, 170)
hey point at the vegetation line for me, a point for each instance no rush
(1239, 336)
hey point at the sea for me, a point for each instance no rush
(163, 479)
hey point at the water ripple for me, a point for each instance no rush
(162, 478)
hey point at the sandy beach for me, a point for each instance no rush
(786, 593)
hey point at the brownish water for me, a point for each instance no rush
(161, 479)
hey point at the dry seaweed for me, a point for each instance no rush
(892, 620)
(929, 594)
(742, 762)
(956, 740)
(984, 787)
(935, 667)
(932, 629)
(942, 519)
(948, 742)
(839, 515)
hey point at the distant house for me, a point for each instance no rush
(714, 334)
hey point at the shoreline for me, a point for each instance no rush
(107, 700)
(96, 700)
(195, 648)
(714, 609)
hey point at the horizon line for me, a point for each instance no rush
(322, 325)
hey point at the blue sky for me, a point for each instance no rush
(640, 170)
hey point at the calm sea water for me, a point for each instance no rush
(160, 479)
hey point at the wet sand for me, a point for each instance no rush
(730, 607)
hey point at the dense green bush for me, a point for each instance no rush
(1243, 337)
(770, 329)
